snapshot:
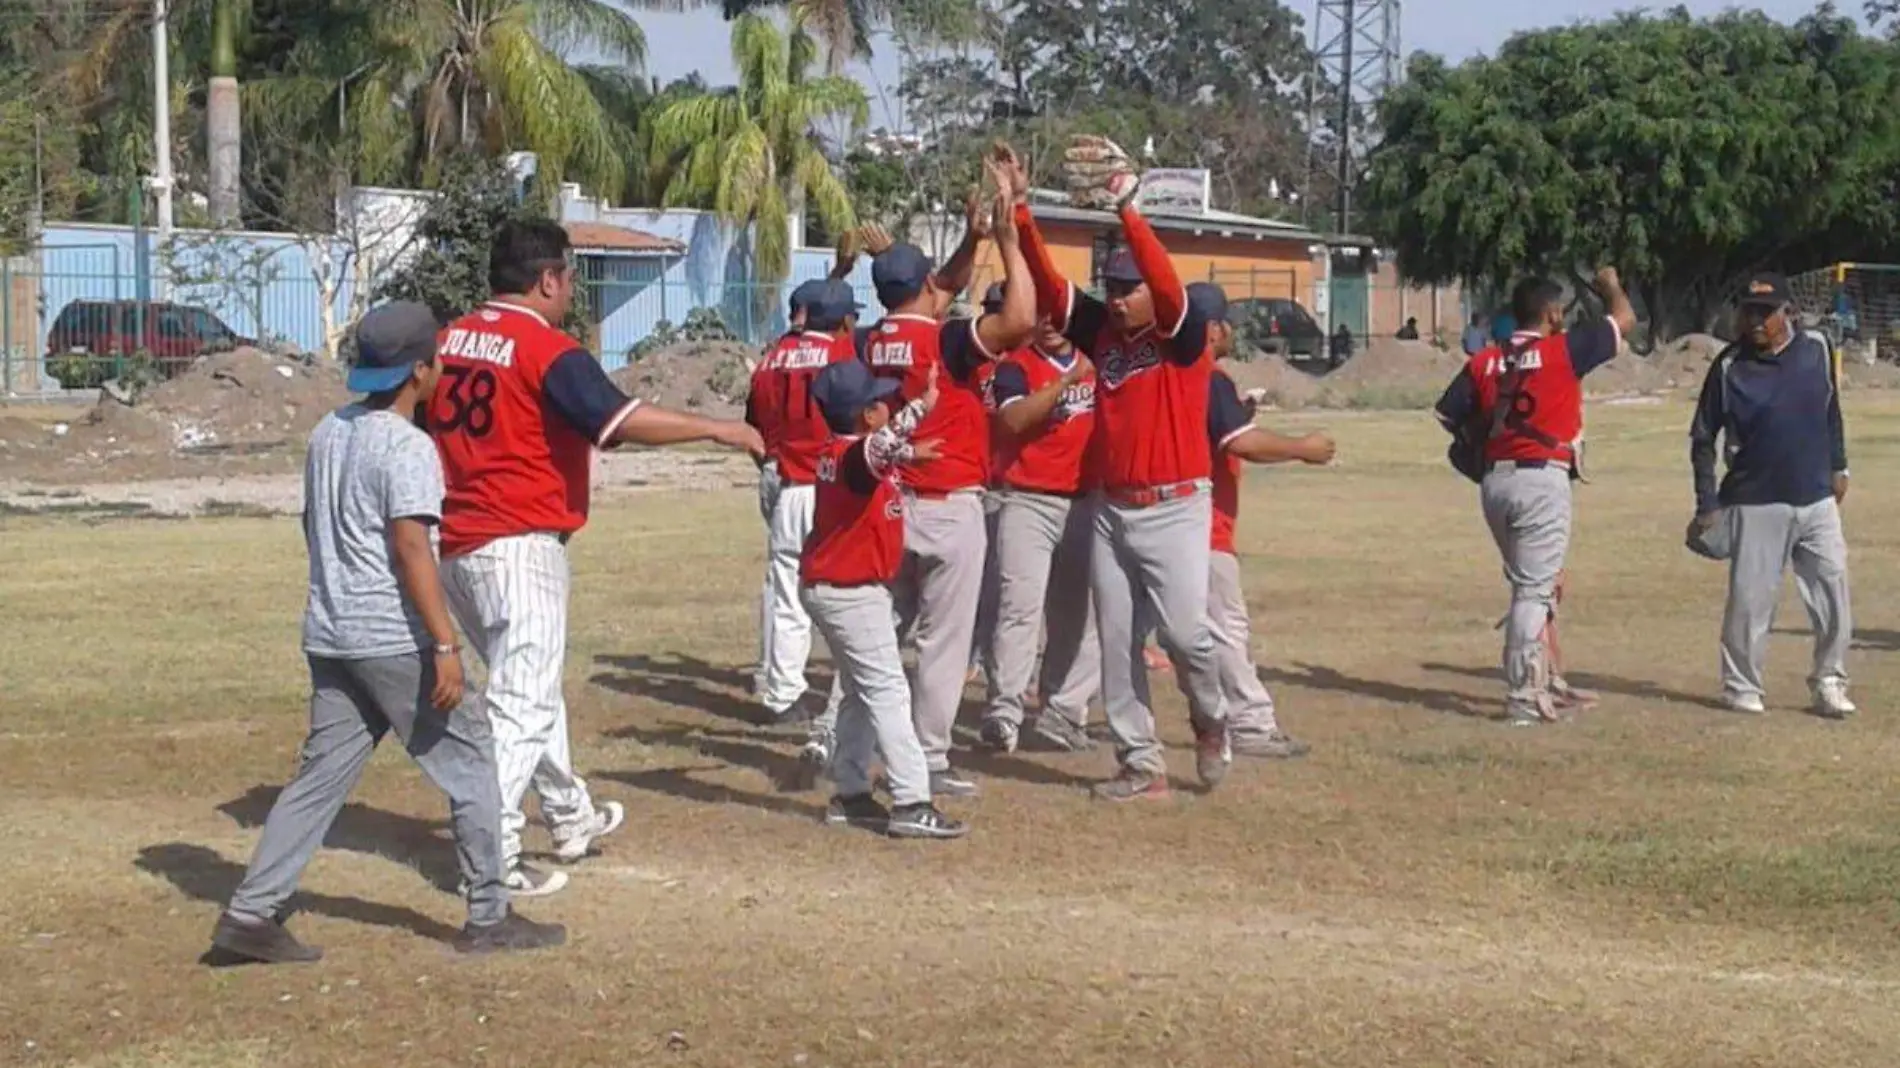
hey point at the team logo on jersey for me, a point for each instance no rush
(1119, 364)
(1078, 399)
(827, 469)
(894, 509)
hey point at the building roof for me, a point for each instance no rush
(1054, 205)
(598, 237)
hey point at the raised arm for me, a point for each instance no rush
(1157, 269)
(954, 276)
(1011, 325)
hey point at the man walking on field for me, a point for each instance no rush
(517, 415)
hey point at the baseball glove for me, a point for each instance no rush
(1100, 175)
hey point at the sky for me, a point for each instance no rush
(678, 44)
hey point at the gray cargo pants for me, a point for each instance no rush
(1041, 548)
(353, 703)
(1153, 560)
(1528, 511)
(1767, 539)
(936, 596)
(874, 714)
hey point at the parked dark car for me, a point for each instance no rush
(1278, 326)
(89, 338)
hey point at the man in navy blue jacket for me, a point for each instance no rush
(1773, 399)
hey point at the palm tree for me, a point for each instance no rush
(845, 27)
(750, 151)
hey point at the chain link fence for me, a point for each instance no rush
(1856, 304)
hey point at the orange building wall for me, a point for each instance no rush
(1243, 267)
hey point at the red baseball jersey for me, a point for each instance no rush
(1227, 419)
(1052, 457)
(905, 347)
(781, 405)
(857, 530)
(1540, 380)
(516, 417)
(1150, 398)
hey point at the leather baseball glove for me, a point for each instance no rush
(1100, 175)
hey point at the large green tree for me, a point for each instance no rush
(1688, 152)
(751, 152)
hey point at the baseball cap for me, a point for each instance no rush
(901, 271)
(1208, 299)
(993, 298)
(805, 293)
(1766, 289)
(1121, 268)
(390, 341)
(828, 305)
(845, 389)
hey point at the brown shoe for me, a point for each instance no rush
(263, 941)
(1212, 757)
(1132, 785)
(513, 933)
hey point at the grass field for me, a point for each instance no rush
(1658, 883)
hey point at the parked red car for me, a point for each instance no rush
(89, 335)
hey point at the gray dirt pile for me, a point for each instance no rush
(1285, 385)
(708, 378)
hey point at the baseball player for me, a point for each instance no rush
(1154, 507)
(783, 410)
(1516, 415)
(372, 492)
(944, 546)
(854, 555)
(516, 416)
(1044, 400)
(1252, 728)
(1773, 400)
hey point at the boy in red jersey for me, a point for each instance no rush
(1518, 407)
(1154, 506)
(518, 412)
(854, 555)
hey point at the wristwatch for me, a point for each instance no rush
(449, 649)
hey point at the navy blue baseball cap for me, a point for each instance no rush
(993, 298)
(901, 271)
(805, 293)
(830, 304)
(845, 389)
(1766, 289)
(1208, 299)
(390, 341)
(1121, 268)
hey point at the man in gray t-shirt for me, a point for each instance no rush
(382, 654)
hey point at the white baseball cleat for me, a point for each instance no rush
(1830, 699)
(572, 844)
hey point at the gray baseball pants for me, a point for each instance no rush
(1528, 511)
(1042, 547)
(353, 703)
(1249, 705)
(1154, 560)
(992, 577)
(1767, 539)
(786, 636)
(769, 484)
(874, 714)
(936, 596)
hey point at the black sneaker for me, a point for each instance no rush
(513, 933)
(950, 783)
(1062, 733)
(858, 810)
(924, 821)
(263, 941)
(998, 733)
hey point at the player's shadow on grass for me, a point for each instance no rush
(1872, 641)
(685, 681)
(1314, 677)
(203, 875)
(414, 843)
(1641, 689)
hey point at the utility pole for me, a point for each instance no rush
(1356, 54)
(162, 119)
(222, 127)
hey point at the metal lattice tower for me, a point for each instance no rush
(1356, 56)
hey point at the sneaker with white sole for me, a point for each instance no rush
(1748, 703)
(859, 810)
(1831, 701)
(999, 734)
(924, 820)
(820, 746)
(525, 880)
(572, 843)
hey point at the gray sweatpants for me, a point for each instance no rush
(1042, 548)
(1249, 705)
(875, 712)
(1528, 510)
(353, 703)
(1154, 560)
(1767, 539)
(937, 594)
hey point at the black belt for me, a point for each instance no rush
(1526, 465)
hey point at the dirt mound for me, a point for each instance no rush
(1627, 374)
(1684, 362)
(245, 398)
(706, 377)
(1391, 362)
(1285, 385)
